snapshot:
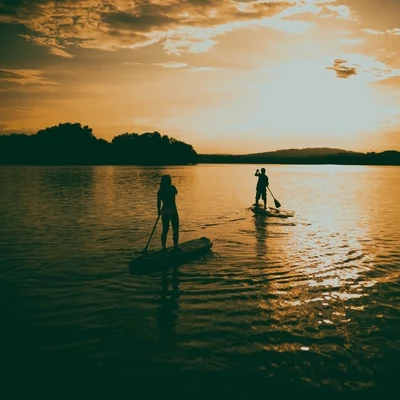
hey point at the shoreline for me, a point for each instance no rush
(259, 162)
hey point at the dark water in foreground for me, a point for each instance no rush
(282, 308)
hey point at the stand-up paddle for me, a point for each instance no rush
(277, 204)
(144, 251)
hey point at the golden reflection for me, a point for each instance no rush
(313, 274)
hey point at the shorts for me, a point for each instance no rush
(261, 193)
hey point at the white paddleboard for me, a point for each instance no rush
(271, 212)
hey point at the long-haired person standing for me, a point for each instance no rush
(166, 205)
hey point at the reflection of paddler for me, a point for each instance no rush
(168, 302)
(261, 235)
(169, 214)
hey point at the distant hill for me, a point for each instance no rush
(317, 151)
(318, 155)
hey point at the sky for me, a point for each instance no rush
(224, 76)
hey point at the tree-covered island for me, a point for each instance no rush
(74, 144)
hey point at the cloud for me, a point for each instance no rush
(341, 70)
(391, 81)
(200, 69)
(132, 63)
(16, 109)
(377, 15)
(180, 26)
(175, 65)
(171, 64)
(342, 12)
(187, 67)
(51, 43)
(387, 32)
(24, 77)
(368, 69)
(59, 52)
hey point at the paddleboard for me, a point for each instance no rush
(188, 251)
(271, 212)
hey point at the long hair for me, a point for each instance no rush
(165, 182)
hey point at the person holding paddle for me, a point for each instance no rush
(261, 188)
(169, 212)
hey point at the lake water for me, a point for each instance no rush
(281, 308)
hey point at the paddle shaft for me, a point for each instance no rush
(277, 204)
(151, 235)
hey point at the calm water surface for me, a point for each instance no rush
(283, 308)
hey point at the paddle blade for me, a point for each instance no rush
(277, 204)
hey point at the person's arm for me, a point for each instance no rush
(176, 190)
(158, 203)
(257, 173)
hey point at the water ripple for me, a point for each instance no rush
(312, 298)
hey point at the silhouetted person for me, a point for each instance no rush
(261, 188)
(169, 213)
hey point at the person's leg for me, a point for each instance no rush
(175, 229)
(264, 197)
(165, 226)
(258, 195)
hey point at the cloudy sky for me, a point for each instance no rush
(225, 76)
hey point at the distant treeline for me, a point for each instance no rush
(72, 144)
(350, 158)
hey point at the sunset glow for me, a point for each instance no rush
(224, 76)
